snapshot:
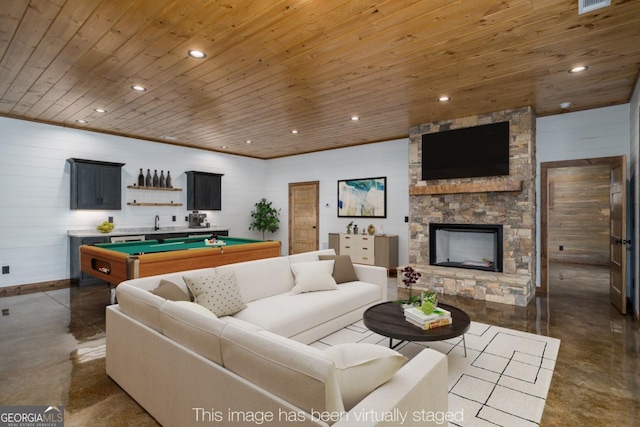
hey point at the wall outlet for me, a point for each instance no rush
(561, 248)
(5, 269)
(110, 219)
(173, 218)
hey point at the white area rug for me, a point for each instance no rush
(503, 381)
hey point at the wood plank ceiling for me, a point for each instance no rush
(273, 66)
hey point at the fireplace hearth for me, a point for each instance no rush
(471, 246)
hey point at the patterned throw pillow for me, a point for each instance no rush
(217, 292)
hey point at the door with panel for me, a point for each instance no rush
(303, 216)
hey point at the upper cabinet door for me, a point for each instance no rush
(204, 191)
(96, 185)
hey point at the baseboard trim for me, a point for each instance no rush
(30, 288)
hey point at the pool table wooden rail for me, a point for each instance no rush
(116, 267)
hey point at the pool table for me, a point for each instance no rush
(117, 262)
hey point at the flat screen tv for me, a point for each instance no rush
(466, 153)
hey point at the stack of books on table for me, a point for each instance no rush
(439, 317)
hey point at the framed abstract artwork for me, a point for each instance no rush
(362, 198)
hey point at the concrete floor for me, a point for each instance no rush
(52, 352)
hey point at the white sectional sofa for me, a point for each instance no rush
(187, 366)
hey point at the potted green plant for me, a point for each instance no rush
(429, 302)
(265, 217)
(349, 227)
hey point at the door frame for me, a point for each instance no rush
(544, 206)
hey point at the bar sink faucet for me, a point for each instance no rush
(156, 224)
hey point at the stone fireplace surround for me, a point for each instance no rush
(508, 201)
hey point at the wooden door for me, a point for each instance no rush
(303, 216)
(618, 236)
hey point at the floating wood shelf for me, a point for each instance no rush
(137, 187)
(153, 204)
(472, 187)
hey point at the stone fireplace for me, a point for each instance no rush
(506, 203)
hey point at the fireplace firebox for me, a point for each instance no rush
(473, 246)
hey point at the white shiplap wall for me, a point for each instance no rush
(601, 132)
(389, 159)
(34, 194)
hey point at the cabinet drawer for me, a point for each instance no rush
(363, 259)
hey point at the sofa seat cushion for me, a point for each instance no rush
(288, 314)
(292, 371)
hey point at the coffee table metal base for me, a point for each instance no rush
(396, 345)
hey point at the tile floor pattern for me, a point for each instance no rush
(503, 381)
(52, 352)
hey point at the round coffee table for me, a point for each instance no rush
(387, 319)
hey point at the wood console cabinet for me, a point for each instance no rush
(367, 249)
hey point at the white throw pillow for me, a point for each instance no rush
(217, 292)
(361, 368)
(313, 276)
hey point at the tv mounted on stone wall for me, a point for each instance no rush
(477, 151)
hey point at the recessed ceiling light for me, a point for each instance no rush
(565, 105)
(355, 118)
(82, 122)
(444, 98)
(294, 131)
(579, 69)
(100, 110)
(224, 147)
(168, 137)
(138, 88)
(248, 141)
(198, 54)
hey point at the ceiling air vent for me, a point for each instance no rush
(586, 6)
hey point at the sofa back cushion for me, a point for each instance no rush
(261, 278)
(194, 327)
(292, 371)
(140, 304)
(309, 256)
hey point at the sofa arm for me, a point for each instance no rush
(417, 395)
(373, 274)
